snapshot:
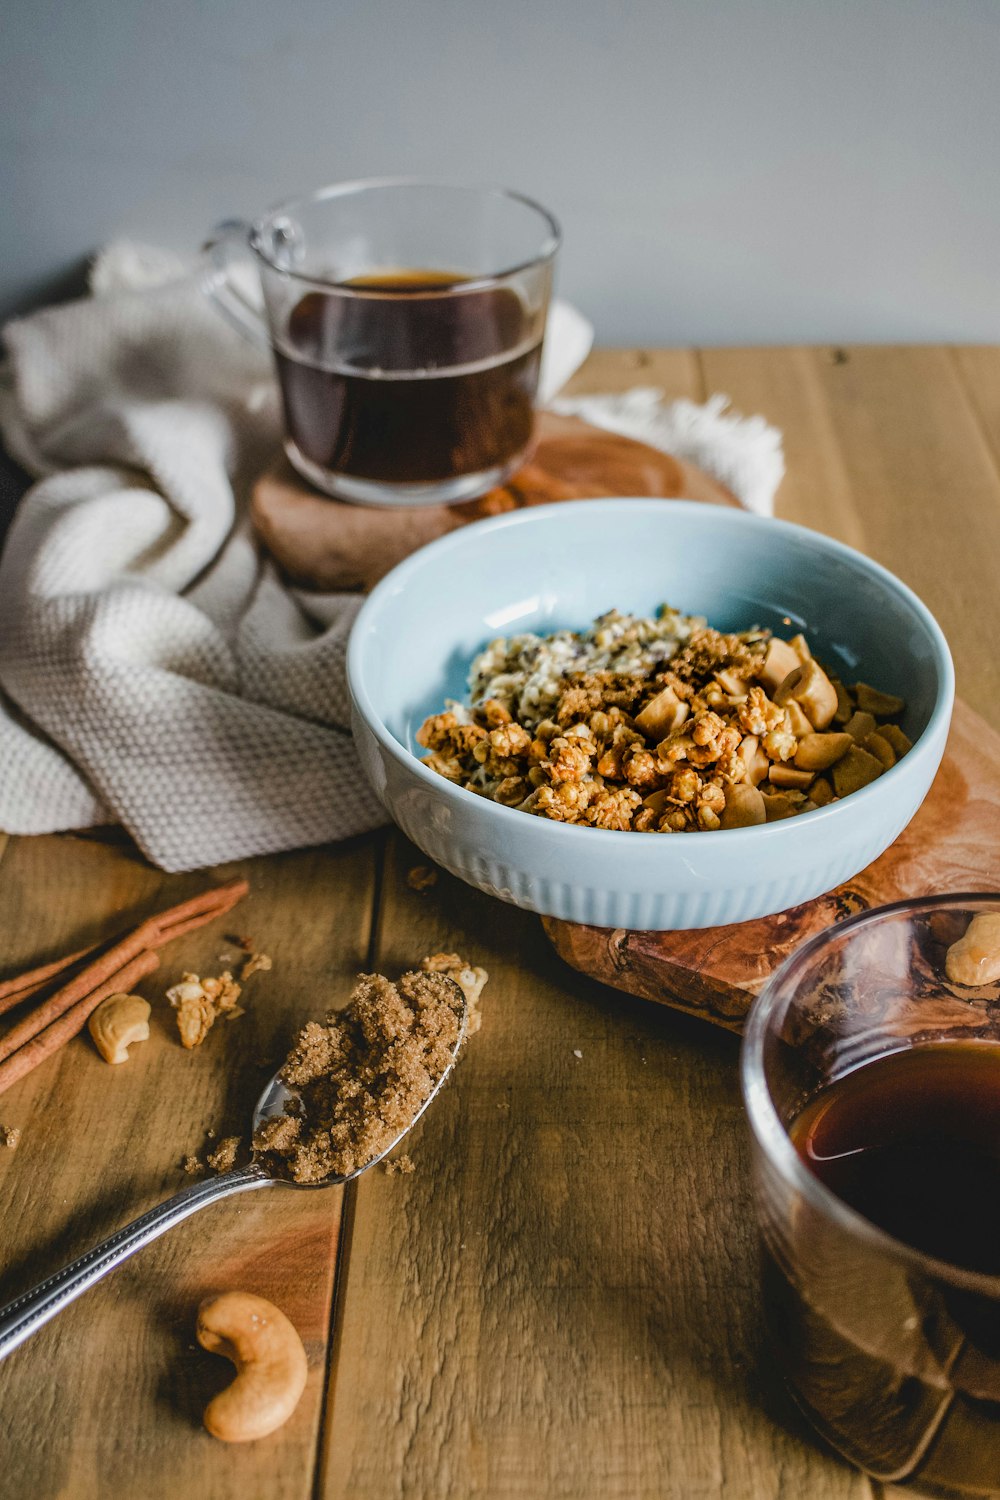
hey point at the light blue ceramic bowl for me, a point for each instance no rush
(555, 566)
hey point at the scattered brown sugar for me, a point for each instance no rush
(364, 1074)
(9, 1136)
(398, 1165)
(192, 1166)
(223, 1158)
(422, 878)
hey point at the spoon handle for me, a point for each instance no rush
(26, 1314)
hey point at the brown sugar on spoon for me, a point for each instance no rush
(363, 1075)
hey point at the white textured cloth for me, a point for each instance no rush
(743, 453)
(154, 668)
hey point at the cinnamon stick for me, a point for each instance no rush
(72, 1020)
(20, 987)
(151, 934)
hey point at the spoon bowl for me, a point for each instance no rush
(26, 1314)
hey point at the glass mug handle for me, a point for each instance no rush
(228, 252)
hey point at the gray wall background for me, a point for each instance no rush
(730, 171)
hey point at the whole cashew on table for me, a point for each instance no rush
(270, 1365)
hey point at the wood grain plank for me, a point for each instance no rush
(561, 1300)
(886, 452)
(676, 372)
(978, 367)
(116, 1382)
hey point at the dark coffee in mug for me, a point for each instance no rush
(911, 1141)
(402, 376)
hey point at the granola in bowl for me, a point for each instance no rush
(661, 725)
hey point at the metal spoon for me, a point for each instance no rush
(26, 1314)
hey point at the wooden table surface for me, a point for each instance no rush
(561, 1300)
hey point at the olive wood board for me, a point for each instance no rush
(952, 845)
(321, 543)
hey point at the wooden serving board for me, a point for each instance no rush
(322, 543)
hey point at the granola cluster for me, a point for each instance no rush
(200, 1002)
(731, 730)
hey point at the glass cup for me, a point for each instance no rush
(406, 320)
(894, 1356)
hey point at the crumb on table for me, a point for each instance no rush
(396, 1165)
(422, 878)
(9, 1136)
(200, 1002)
(255, 963)
(223, 1158)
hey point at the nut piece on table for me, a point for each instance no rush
(270, 1362)
(817, 752)
(198, 1002)
(975, 958)
(117, 1022)
(744, 806)
(254, 963)
(812, 690)
(854, 770)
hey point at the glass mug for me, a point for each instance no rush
(406, 321)
(892, 1354)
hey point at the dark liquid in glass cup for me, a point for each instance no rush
(402, 384)
(900, 1369)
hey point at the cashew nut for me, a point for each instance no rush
(854, 770)
(787, 776)
(871, 700)
(876, 744)
(896, 738)
(753, 758)
(975, 958)
(780, 805)
(860, 725)
(810, 687)
(817, 752)
(117, 1022)
(781, 659)
(796, 721)
(744, 806)
(270, 1365)
(662, 714)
